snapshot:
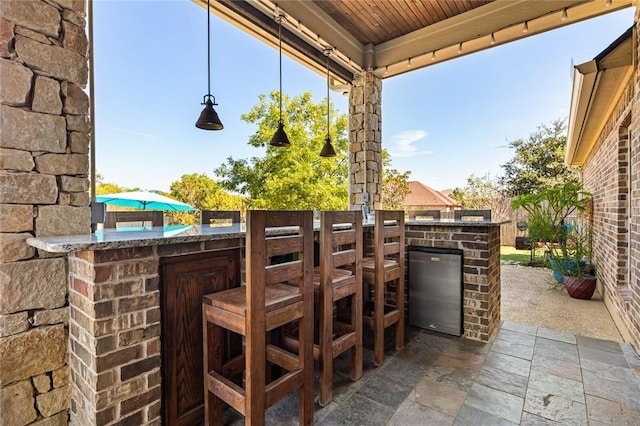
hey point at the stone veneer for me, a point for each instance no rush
(365, 141)
(481, 270)
(44, 164)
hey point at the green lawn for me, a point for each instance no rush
(521, 257)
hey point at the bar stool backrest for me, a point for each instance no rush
(424, 214)
(134, 218)
(219, 217)
(472, 215)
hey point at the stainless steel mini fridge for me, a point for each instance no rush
(435, 289)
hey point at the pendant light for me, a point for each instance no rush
(208, 119)
(327, 149)
(280, 137)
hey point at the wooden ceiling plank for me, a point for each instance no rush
(419, 10)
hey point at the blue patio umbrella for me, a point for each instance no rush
(144, 200)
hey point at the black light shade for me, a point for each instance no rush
(327, 149)
(208, 119)
(280, 138)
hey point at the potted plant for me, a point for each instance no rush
(568, 244)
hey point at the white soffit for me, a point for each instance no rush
(597, 86)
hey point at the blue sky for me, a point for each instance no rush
(443, 123)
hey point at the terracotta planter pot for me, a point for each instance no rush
(580, 287)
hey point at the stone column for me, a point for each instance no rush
(365, 142)
(44, 164)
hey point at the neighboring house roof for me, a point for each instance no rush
(597, 86)
(422, 195)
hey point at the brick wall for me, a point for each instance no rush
(44, 163)
(611, 174)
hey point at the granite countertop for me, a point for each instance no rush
(178, 234)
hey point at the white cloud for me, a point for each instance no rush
(403, 143)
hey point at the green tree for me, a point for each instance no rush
(484, 192)
(103, 187)
(538, 162)
(295, 177)
(203, 193)
(395, 185)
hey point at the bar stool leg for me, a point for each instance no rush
(212, 334)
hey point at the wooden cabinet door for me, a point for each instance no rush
(184, 280)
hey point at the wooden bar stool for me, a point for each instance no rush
(134, 218)
(338, 280)
(265, 304)
(472, 215)
(383, 277)
(424, 214)
(219, 217)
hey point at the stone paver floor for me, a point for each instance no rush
(527, 375)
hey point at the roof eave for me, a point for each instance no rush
(597, 84)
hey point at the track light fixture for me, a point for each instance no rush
(525, 27)
(433, 55)
(209, 119)
(460, 48)
(564, 14)
(493, 39)
(327, 149)
(280, 137)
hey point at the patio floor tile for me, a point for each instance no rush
(516, 337)
(608, 371)
(556, 350)
(503, 380)
(513, 349)
(508, 363)
(555, 407)
(461, 378)
(603, 345)
(530, 419)
(610, 412)
(359, 410)
(471, 416)
(626, 393)
(603, 356)
(444, 398)
(495, 402)
(520, 328)
(412, 413)
(556, 367)
(385, 390)
(556, 385)
(560, 336)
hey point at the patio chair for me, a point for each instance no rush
(219, 217)
(257, 311)
(424, 214)
(134, 218)
(472, 215)
(383, 277)
(338, 297)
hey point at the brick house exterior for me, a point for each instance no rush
(604, 146)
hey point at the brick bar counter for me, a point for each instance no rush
(135, 339)
(480, 243)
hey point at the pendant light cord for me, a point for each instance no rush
(209, 48)
(328, 93)
(280, 47)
